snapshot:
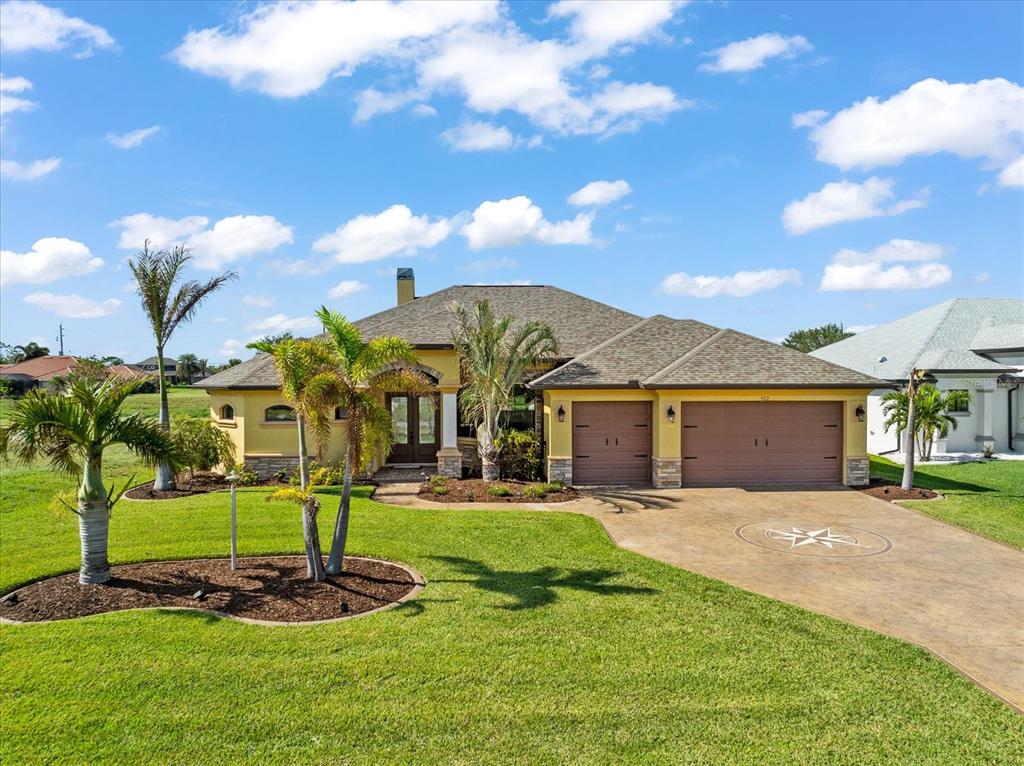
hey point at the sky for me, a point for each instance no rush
(760, 166)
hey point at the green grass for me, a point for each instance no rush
(536, 641)
(984, 497)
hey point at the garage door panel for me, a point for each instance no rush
(611, 442)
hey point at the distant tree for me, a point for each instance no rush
(271, 340)
(110, 361)
(232, 362)
(30, 350)
(816, 337)
(188, 367)
(6, 353)
(156, 274)
(203, 368)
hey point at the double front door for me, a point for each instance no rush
(415, 428)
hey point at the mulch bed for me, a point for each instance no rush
(475, 491)
(203, 482)
(263, 588)
(888, 490)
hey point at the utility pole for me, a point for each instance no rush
(60, 337)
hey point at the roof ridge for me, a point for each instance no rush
(603, 344)
(686, 356)
(927, 341)
(804, 355)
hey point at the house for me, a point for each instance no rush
(151, 367)
(631, 400)
(40, 371)
(969, 344)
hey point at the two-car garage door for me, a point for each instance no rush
(736, 443)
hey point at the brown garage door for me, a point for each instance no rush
(736, 443)
(611, 442)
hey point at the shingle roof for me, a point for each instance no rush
(1007, 337)
(42, 367)
(258, 372)
(661, 352)
(939, 338)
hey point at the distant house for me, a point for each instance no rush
(970, 344)
(151, 367)
(38, 372)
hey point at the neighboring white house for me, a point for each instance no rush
(971, 344)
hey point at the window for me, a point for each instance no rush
(279, 413)
(960, 401)
(518, 417)
(340, 413)
(227, 412)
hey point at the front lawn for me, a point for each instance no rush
(536, 641)
(985, 497)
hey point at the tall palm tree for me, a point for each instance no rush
(495, 355)
(203, 368)
(188, 367)
(156, 274)
(70, 430)
(310, 384)
(367, 371)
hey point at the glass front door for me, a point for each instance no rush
(415, 425)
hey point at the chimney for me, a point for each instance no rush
(406, 286)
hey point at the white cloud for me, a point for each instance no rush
(858, 328)
(228, 240)
(510, 222)
(841, 201)
(860, 270)
(475, 49)
(752, 53)
(17, 171)
(395, 231)
(1013, 174)
(50, 259)
(981, 277)
(983, 120)
(133, 138)
(260, 301)
(291, 49)
(424, 110)
(738, 285)
(470, 136)
(809, 119)
(72, 305)
(230, 348)
(27, 26)
(10, 103)
(278, 323)
(345, 288)
(598, 193)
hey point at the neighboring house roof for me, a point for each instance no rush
(938, 339)
(660, 352)
(258, 372)
(41, 368)
(169, 363)
(127, 371)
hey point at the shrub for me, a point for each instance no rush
(281, 474)
(519, 455)
(246, 476)
(438, 481)
(498, 490)
(554, 486)
(535, 490)
(440, 489)
(320, 475)
(200, 443)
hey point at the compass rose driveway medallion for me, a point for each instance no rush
(813, 538)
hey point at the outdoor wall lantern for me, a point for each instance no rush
(561, 414)
(671, 414)
(859, 412)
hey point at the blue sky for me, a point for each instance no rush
(765, 166)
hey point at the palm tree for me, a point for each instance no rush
(366, 372)
(203, 368)
(70, 430)
(30, 350)
(931, 414)
(156, 274)
(188, 367)
(495, 355)
(309, 382)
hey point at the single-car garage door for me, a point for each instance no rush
(736, 443)
(611, 442)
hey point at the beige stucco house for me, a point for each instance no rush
(630, 400)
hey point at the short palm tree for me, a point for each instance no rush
(188, 367)
(70, 430)
(30, 350)
(203, 368)
(367, 371)
(156, 274)
(495, 356)
(931, 414)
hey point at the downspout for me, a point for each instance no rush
(1009, 417)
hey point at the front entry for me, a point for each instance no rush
(415, 428)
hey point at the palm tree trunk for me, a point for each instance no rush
(164, 472)
(908, 463)
(303, 470)
(311, 538)
(336, 561)
(488, 454)
(93, 523)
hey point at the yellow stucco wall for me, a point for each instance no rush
(666, 436)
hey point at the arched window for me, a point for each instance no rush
(279, 413)
(227, 412)
(340, 413)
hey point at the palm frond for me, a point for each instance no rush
(293, 495)
(343, 333)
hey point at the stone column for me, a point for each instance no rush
(449, 457)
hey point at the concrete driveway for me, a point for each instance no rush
(847, 555)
